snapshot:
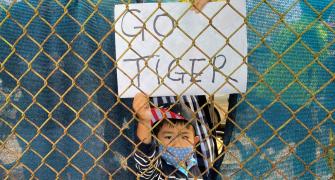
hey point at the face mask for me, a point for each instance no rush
(176, 156)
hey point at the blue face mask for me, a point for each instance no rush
(176, 156)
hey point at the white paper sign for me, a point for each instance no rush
(166, 49)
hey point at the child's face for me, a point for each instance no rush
(177, 135)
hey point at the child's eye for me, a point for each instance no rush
(168, 137)
(185, 137)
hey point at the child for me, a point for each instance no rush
(166, 141)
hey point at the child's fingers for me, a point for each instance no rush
(141, 101)
(199, 5)
(141, 106)
(194, 6)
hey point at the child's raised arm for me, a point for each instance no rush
(141, 107)
(147, 165)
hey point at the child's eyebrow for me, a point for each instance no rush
(167, 132)
(185, 132)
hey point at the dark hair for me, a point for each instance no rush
(158, 125)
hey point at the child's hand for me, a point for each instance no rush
(199, 5)
(141, 107)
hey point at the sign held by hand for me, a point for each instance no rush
(167, 49)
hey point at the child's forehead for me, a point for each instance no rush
(177, 127)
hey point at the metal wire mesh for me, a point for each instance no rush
(60, 115)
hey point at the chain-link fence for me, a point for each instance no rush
(61, 116)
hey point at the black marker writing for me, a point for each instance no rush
(142, 27)
(217, 69)
(155, 24)
(169, 73)
(194, 74)
(137, 60)
(157, 71)
(135, 27)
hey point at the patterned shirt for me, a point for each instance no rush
(150, 166)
